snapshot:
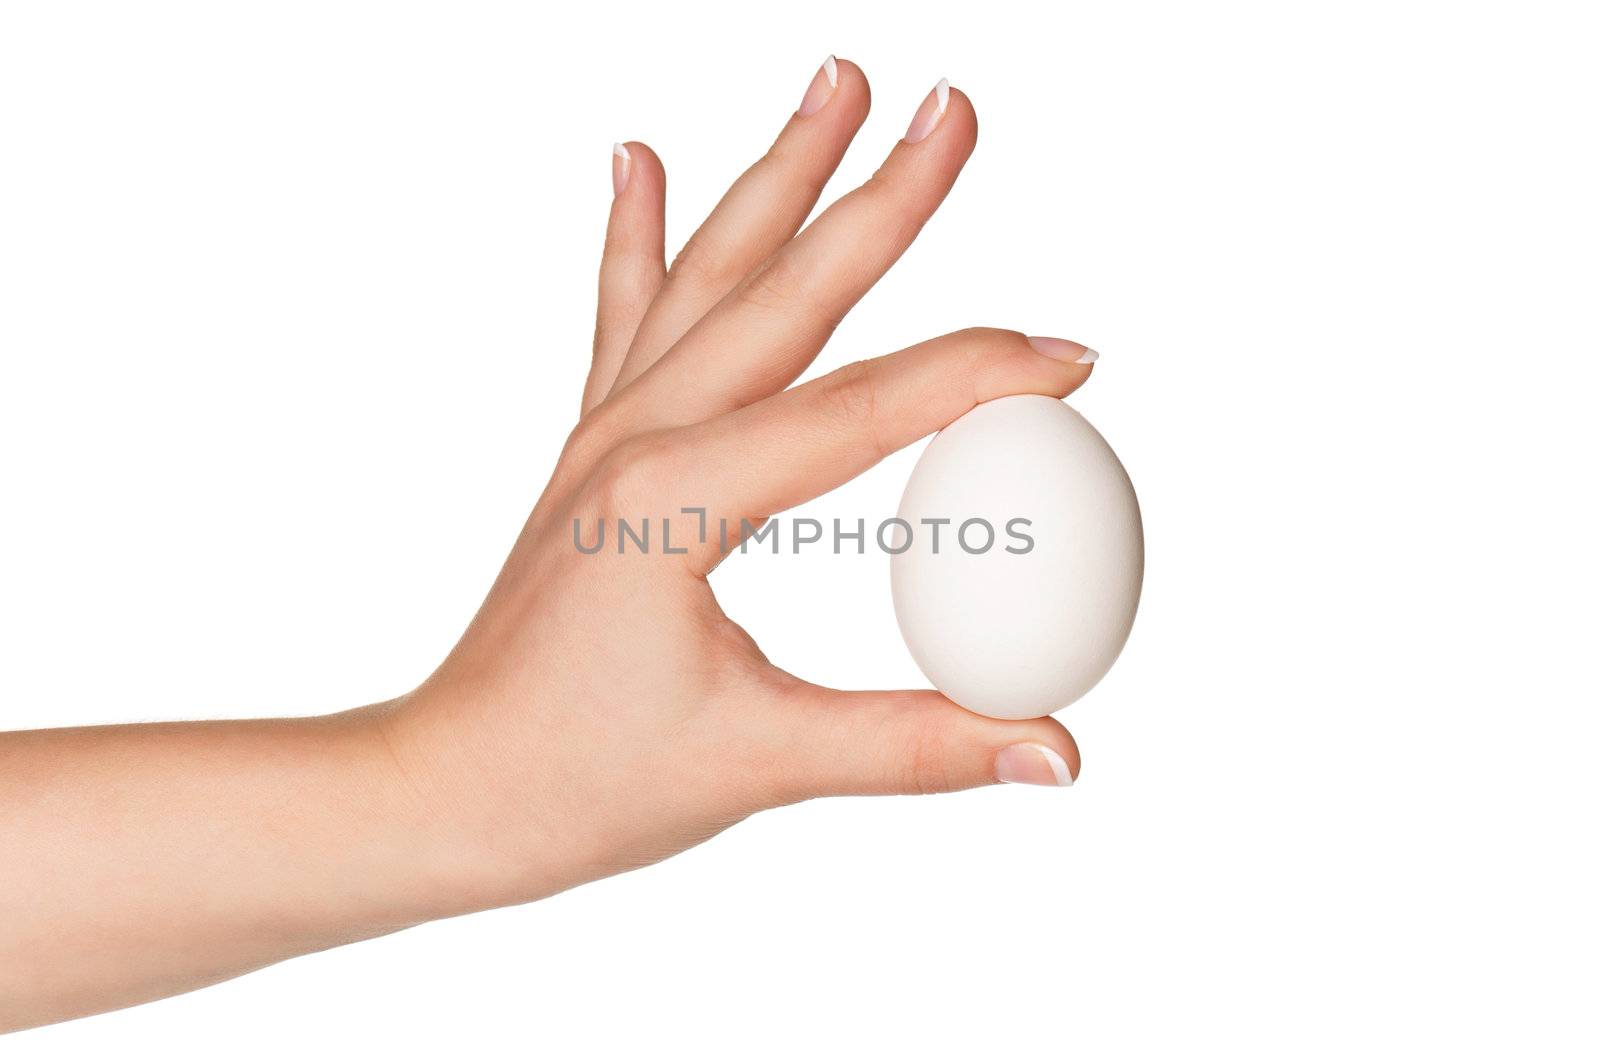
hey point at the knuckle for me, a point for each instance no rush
(853, 394)
(769, 284)
(595, 434)
(788, 169)
(588, 437)
(699, 264)
(927, 765)
(780, 157)
(991, 339)
(630, 475)
(781, 284)
(985, 354)
(896, 214)
(624, 241)
(876, 191)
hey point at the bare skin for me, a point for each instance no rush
(601, 712)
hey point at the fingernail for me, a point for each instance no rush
(621, 162)
(1032, 763)
(821, 88)
(1063, 350)
(927, 117)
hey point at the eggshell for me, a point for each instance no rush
(1017, 631)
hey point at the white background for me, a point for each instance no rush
(295, 302)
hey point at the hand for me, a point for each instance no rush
(602, 712)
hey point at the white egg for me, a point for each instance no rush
(1017, 588)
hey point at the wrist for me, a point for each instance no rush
(469, 840)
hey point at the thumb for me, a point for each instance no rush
(919, 742)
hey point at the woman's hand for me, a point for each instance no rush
(600, 712)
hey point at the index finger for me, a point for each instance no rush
(800, 443)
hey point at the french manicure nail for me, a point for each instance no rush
(621, 162)
(821, 89)
(927, 117)
(1032, 763)
(1063, 350)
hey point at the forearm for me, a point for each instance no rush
(141, 861)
